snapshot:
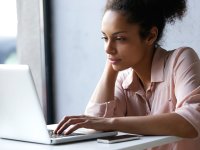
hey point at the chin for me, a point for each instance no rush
(119, 68)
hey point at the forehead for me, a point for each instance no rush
(114, 21)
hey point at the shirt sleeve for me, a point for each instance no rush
(187, 86)
(112, 108)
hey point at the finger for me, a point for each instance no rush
(63, 121)
(60, 124)
(75, 127)
(70, 122)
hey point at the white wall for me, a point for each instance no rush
(78, 53)
(78, 49)
(187, 31)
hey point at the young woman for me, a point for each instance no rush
(144, 89)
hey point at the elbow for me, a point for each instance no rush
(185, 129)
(191, 134)
(188, 132)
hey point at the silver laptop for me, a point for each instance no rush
(21, 116)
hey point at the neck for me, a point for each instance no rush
(143, 69)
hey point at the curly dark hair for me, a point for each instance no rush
(149, 13)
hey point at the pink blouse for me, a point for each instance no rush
(175, 87)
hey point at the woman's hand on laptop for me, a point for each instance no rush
(72, 123)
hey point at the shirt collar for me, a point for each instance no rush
(157, 71)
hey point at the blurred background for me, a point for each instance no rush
(8, 31)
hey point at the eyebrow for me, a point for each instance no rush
(116, 32)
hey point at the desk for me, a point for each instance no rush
(143, 143)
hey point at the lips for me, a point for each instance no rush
(114, 60)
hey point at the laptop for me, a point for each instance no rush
(21, 115)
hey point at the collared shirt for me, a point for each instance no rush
(175, 87)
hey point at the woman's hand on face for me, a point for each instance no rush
(76, 122)
(109, 68)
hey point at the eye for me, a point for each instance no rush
(104, 38)
(120, 38)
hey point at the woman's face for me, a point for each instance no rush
(123, 44)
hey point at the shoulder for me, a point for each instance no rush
(183, 62)
(183, 55)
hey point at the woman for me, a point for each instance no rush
(144, 89)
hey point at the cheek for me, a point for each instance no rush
(134, 54)
(138, 53)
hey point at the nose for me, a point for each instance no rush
(110, 47)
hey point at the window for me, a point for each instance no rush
(8, 31)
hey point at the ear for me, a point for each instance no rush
(153, 34)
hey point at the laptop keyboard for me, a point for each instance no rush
(52, 135)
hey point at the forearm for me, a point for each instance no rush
(105, 88)
(165, 124)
